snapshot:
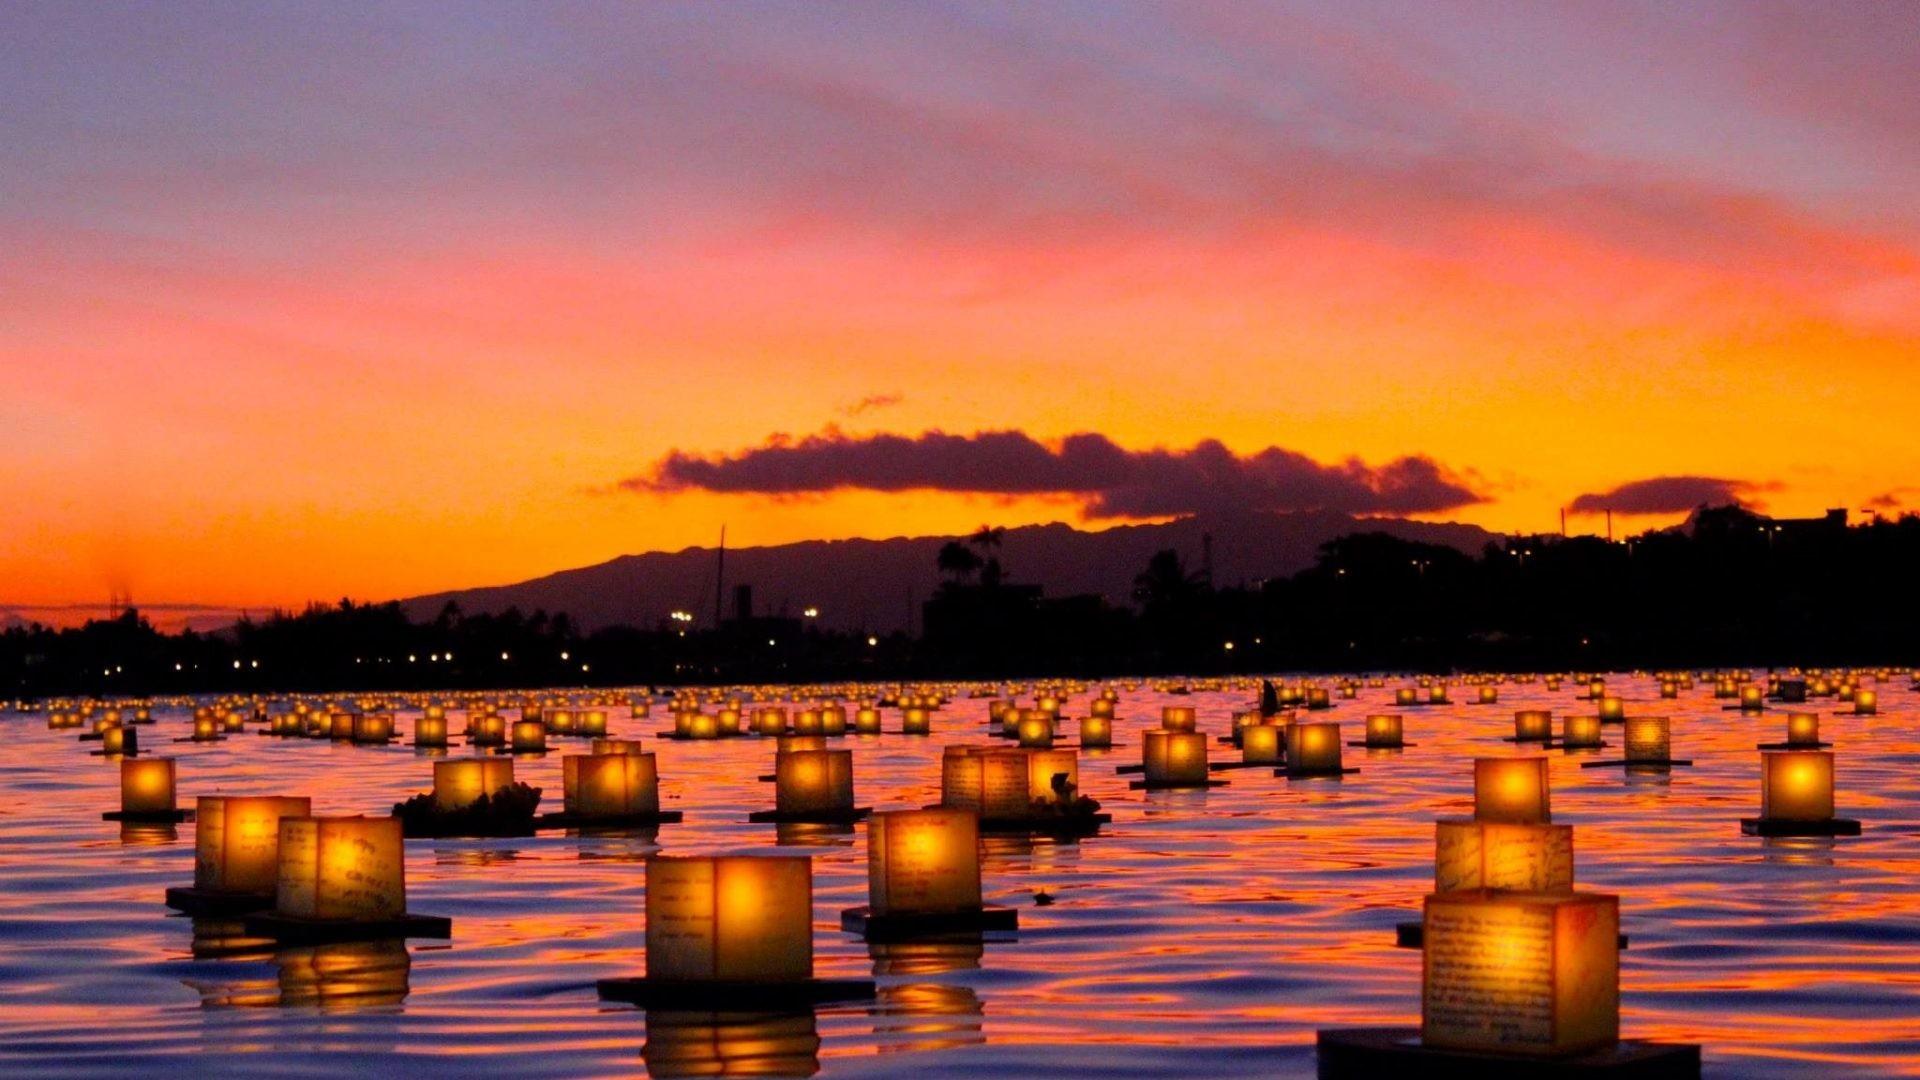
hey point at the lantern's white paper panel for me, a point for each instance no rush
(729, 918)
(923, 862)
(1521, 973)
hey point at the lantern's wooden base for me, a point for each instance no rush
(517, 751)
(1541, 739)
(210, 902)
(1365, 1053)
(1669, 763)
(1224, 766)
(420, 745)
(114, 753)
(734, 995)
(567, 820)
(289, 930)
(148, 817)
(91, 736)
(1313, 774)
(196, 738)
(1779, 827)
(1794, 746)
(818, 817)
(1742, 708)
(674, 736)
(1413, 935)
(375, 742)
(1053, 825)
(989, 917)
(1174, 785)
(915, 734)
(1365, 745)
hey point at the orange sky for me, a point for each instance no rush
(383, 304)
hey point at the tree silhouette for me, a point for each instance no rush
(958, 561)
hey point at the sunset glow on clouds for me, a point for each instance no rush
(301, 301)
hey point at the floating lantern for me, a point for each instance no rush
(233, 721)
(866, 721)
(1384, 731)
(1317, 698)
(1580, 732)
(923, 862)
(1489, 695)
(1532, 725)
(641, 710)
(1261, 744)
(340, 725)
(1313, 748)
(806, 722)
(124, 741)
(373, 728)
(1596, 689)
(206, 729)
(616, 746)
(1101, 707)
(1348, 692)
(1177, 718)
(529, 737)
(1612, 709)
(993, 783)
(487, 730)
(1406, 697)
(350, 868)
(1752, 698)
(457, 785)
(1669, 688)
(1511, 790)
(1174, 758)
(236, 845)
(1053, 776)
(1521, 973)
(729, 919)
(1469, 854)
(146, 786)
(1649, 740)
(560, 721)
(1036, 730)
(430, 730)
(1865, 702)
(591, 723)
(814, 782)
(1796, 785)
(611, 785)
(833, 720)
(1096, 730)
(770, 721)
(1803, 729)
(1437, 695)
(916, 721)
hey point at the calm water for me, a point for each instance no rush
(1201, 934)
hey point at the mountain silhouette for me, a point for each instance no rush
(878, 585)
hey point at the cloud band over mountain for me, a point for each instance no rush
(1110, 480)
(1669, 495)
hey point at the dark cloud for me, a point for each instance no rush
(1112, 482)
(1669, 495)
(871, 403)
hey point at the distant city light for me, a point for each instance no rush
(873, 640)
(681, 616)
(812, 613)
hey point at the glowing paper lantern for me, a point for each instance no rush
(1313, 748)
(770, 721)
(923, 862)
(1491, 855)
(1096, 730)
(992, 783)
(611, 785)
(833, 720)
(729, 918)
(1669, 688)
(1437, 695)
(1174, 757)
(1489, 695)
(529, 736)
(341, 868)
(591, 723)
(806, 722)
(205, 729)
(146, 785)
(1521, 973)
(1803, 729)
(430, 731)
(866, 721)
(814, 782)
(616, 746)
(1317, 698)
(1865, 702)
(1101, 707)
(340, 725)
(373, 728)
(1053, 776)
(1177, 718)
(1612, 710)
(916, 721)
(1649, 740)
(1036, 730)
(1511, 790)
(459, 784)
(120, 740)
(1384, 731)
(1406, 696)
(1752, 698)
(1261, 744)
(1532, 725)
(1796, 785)
(487, 730)
(237, 840)
(1580, 732)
